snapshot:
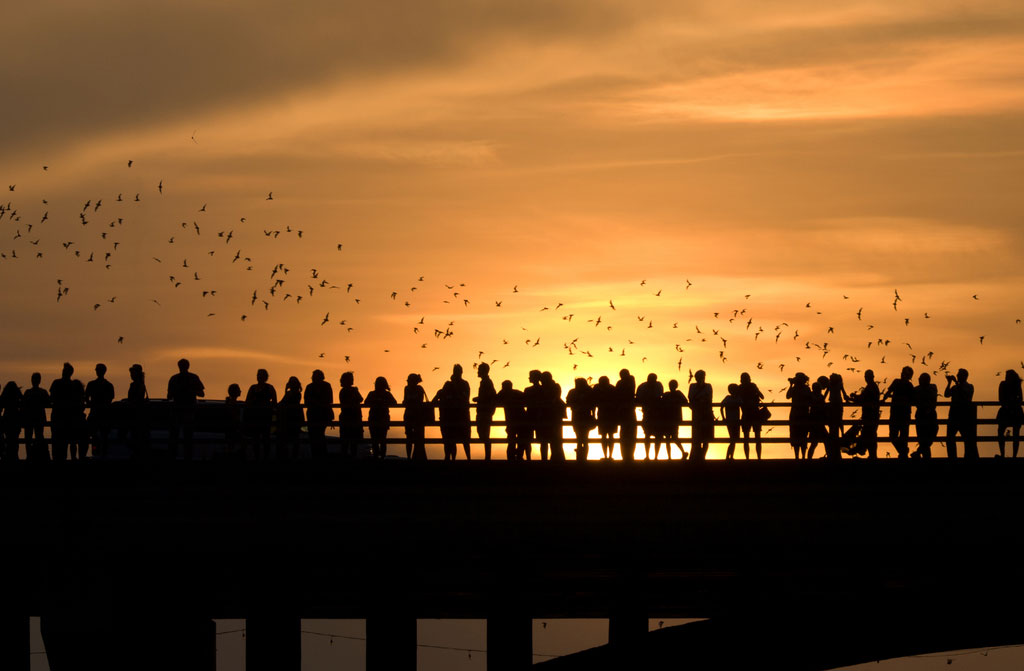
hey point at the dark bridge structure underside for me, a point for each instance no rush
(799, 565)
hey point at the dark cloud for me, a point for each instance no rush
(73, 69)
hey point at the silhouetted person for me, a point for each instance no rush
(99, 395)
(319, 400)
(350, 403)
(260, 400)
(453, 414)
(672, 403)
(799, 395)
(648, 397)
(730, 409)
(290, 420)
(183, 390)
(834, 416)
(869, 399)
(703, 423)
(137, 404)
(626, 395)
(513, 405)
(535, 414)
(486, 402)
(34, 403)
(416, 415)
(234, 441)
(926, 416)
(751, 417)
(901, 391)
(580, 401)
(607, 414)
(818, 432)
(67, 396)
(1010, 415)
(10, 421)
(963, 415)
(379, 401)
(554, 413)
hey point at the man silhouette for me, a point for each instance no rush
(901, 391)
(67, 396)
(963, 415)
(34, 403)
(183, 390)
(486, 401)
(99, 395)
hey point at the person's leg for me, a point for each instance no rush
(951, 429)
(757, 440)
(746, 441)
(1001, 439)
(1016, 439)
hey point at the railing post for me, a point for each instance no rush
(391, 643)
(509, 641)
(273, 643)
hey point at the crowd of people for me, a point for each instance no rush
(262, 424)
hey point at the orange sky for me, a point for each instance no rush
(798, 153)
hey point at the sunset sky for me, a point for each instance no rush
(675, 159)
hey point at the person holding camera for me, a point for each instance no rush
(963, 415)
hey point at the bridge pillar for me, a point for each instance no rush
(273, 643)
(14, 642)
(390, 643)
(509, 642)
(626, 628)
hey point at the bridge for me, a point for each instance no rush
(818, 563)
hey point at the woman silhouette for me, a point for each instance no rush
(379, 401)
(1011, 414)
(415, 417)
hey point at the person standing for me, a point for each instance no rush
(99, 396)
(67, 397)
(34, 403)
(702, 406)
(453, 411)
(183, 391)
(350, 415)
(730, 411)
(290, 420)
(535, 414)
(486, 402)
(799, 414)
(319, 400)
(554, 414)
(260, 400)
(10, 421)
(415, 417)
(379, 401)
(648, 397)
(1010, 415)
(869, 399)
(137, 404)
(901, 391)
(513, 405)
(625, 390)
(963, 415)
(607, 417)
(837, 396)
(580, 402)
(751, 398)
(672, 404)
(926, 417)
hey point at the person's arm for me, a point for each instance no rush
(200, 389)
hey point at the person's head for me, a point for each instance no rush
(961, 375)
(37, 379)
(546, 377)
(581, 384)
(506, 385)
(699, 376)
(817, 386)
(835, 381)
(869, 375)
(347, 379)
(183, 365)
(234, 391)
(1012, 376)
(381, 384)
(673, 385)
(262, 375)
(293, 384)
(652, 377)
(907, 373)
(101, 370)
(603, 380)
(799, 380)
(483, 370)
(413, 379)
(67, 371)
(534, 377)
(823, 382)
(745, 378)
(318, 375)
(457, 372)
(624, 374)
(135, 373)
(733, 388)
(924, 379)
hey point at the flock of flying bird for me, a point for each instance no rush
(193, 254)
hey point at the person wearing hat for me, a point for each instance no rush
(799, 414)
